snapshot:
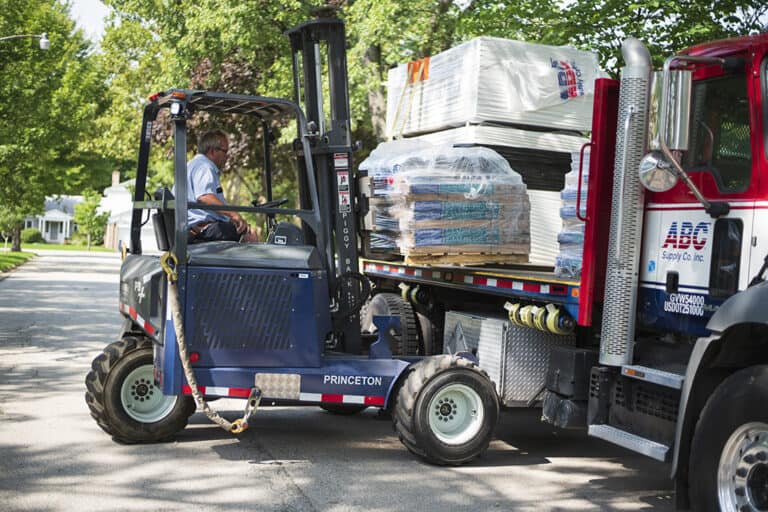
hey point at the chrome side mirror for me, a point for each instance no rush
(656, 173)
(670, 110)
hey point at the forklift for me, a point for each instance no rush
(277, 322)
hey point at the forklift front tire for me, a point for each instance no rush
(124, 400)
(446, 410)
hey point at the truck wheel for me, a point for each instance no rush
(391, 304)
(343, 409)
(124, 400)
(729, 454)
(446, 410)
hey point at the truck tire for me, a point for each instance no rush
(729, 454)
(343, 409)
(392, 304)
(123, 399)
(446, 410)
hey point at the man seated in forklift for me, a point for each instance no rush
(204, 186)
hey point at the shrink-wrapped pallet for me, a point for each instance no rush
(571, 238)
(496, 80)
(449, 201)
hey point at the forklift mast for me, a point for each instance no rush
(318, 51)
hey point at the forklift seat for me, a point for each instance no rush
(164, 220)
(285, 233)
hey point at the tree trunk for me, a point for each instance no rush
(88, 243)
(377, 98)
(16, 244)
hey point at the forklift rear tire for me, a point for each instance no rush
(343, 409)
(729, 455)
(446, 410)
(124, 400)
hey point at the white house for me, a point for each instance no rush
(57, 222)
(118, 201)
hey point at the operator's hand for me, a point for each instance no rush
(250, 236)
(240, 224)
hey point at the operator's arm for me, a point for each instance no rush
(236, 218)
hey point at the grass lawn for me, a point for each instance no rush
(8, 260)
(62, 247)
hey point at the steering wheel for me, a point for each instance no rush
(270, 204)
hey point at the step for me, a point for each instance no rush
(630, 441)
(660, 377)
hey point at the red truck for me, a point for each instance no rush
(661, 344)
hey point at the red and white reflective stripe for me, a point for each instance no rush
(342, 399)
(304, 397)
(130, 311)
(218, 391)
(408, 271)
(457, 277)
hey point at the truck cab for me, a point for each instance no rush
(691, 263)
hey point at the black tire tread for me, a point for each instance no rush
(404, 411)
(95, 383)
(726, 409)
(343, 409)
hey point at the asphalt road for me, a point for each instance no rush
(60, 309)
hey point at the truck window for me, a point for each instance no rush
(719, 141)
(726, 256)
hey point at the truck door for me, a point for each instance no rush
(692, 262)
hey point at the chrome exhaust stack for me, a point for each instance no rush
(625, 238)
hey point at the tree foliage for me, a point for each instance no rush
(90, 222)
(48, 100)
(71, 115)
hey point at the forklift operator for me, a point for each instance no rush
(204, 186)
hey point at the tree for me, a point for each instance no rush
(47, 102)
(90, 222)
(236, 46)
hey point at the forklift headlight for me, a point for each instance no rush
(175, 108)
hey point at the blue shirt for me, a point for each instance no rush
(202, 179)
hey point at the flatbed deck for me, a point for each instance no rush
(522, 282)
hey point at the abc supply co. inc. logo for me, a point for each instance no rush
(568, 79)
(681, 238)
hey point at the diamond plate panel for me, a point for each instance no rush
(516, 358)
(279, 385)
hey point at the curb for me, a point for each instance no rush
(10, 271)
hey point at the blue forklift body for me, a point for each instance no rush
(249, 326)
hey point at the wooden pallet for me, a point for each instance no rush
(468, 259)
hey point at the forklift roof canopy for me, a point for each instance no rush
(224, 103)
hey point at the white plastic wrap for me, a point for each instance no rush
(497, 80)
(448, 200)
(488, 135)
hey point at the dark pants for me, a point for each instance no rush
(215, 231)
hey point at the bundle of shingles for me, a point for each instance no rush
(442, 204)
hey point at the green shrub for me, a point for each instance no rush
(32, 236)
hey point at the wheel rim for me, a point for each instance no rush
(456, 414)
(141, 399)
(742, 477)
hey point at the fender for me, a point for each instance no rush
(745, 307)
